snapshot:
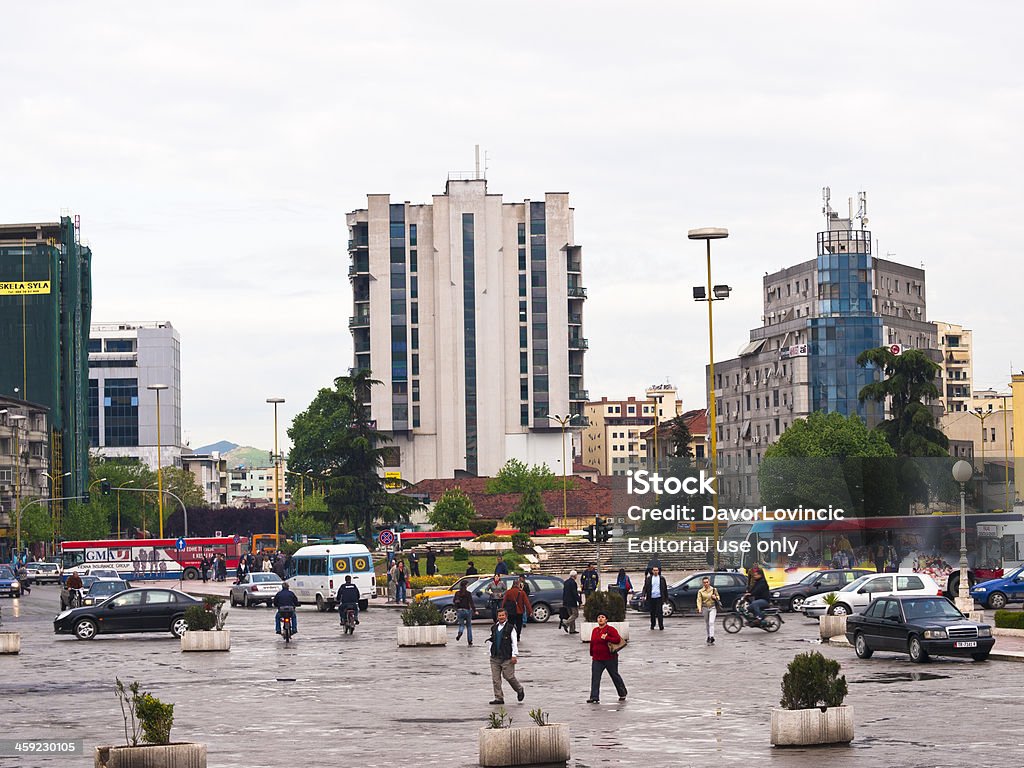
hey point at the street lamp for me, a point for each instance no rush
(118, 489)
(159, 471)
(54, 485)
(563, 421)
(17, 417)
(962, 472)
(981, 415)
(277, 476)
(714, 293)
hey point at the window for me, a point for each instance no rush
(883, 584)
(892, 610)
(120, 345)
(318, 566)
(415, 416)
(412, 234)
(127, 600)
(160, 596)
(908, 582)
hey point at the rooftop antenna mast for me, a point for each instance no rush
(477, 149)
(862, 209)
(826, 209)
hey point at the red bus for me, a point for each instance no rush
(136, 559)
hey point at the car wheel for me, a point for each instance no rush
(860, 645)
(245, 600)
(85, 629)
(668, 608)
(450, 616)
(190, 574)
(732, 623)
(541, 612)
(997, 600)
(321, 605)
(796, 604)
(980, 656)
(839, 609)
(234, 603)
(918, 654)
(179, 626)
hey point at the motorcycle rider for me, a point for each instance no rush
(759, 593)
(348, 597)
(73, 583)
(282, 600)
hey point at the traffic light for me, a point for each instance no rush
(591, 533)
(105, 488)
(603, 529)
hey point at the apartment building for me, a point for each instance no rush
(955, 345)
(613, 441)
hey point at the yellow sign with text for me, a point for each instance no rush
(24, 287)
(392, 480)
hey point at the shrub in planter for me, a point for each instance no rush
(199, 619)
(521, 542)
(492, 537)
(482, 527)
(419, 582)
(543, 743)
(610, 604)
(422, 625)
(148, 720)
(460, 553)
(513, 560)
(421, 613)
(1010, 619)
(812, 699)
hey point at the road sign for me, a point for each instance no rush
(896, 349)
(387, 538)
(180, 544)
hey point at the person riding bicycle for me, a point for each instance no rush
(286, 602)
(73, 587)
(759, 593)
(348, 598)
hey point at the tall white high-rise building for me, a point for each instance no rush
(470, 311)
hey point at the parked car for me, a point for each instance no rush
(451, 589)
(791, 597)
(43, 573)
(65, 594)
(855, 596)
(996, 593)
(135, 610)
(101, 589)
(9, 584)
(545, 598)
(919, 626)
(682, 596)
(255, 588)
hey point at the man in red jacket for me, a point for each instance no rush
(604, 658)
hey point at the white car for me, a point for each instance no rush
(855, 596)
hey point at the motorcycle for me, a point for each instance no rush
(287, 623)
(350, 620)
(744, 617)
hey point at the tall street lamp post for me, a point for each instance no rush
(118, 489)
(981, 415)
(159, 463)
(712, 294)
(277, 476)
(17, 418)
(53, 528)
(562, 422)
(1006, 457)
(962, 472)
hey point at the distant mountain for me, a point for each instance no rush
(221, 447)
(247, 456)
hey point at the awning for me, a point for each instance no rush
(752, 348)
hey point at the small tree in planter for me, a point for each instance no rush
(422, 624)
(611, 605)
(148, 719)
(831, 625)
(206, 627)
(542, 743)
(812, 699)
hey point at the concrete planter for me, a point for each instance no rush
(535, 744)
(801, 727)
(621, 626)
(212, 640)
(10, 642)
(830, 626)
(152, 756)
(436, 634)
(486, 546)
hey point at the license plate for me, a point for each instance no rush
(966, 644)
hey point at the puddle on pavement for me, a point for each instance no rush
(901, 677)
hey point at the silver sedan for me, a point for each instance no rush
(256, 588)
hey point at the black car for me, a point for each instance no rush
(791, 597)
(146, 609)
(545, 598)
(919, 625)
(101, 589)
(682, 596)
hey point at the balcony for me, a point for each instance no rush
(577, 395)
(575, 319)
(575, 370)
(358, 242)
(359, 267)
(573, 266)
(578, 343)
(577, 292)
(359, 321)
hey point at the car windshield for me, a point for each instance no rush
(930, 608)
(1015, 574)
(106, 587)
(88, 581)
(6, 573)
(812, 577)
(854, 585)
(261, 577)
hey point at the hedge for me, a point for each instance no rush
(1010, 619)
(419, 582)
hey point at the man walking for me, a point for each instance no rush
(571, 603)
(604, 658)
(517, 606)
(414, 563)
(589, 580)
(431, 562)
(464, 608)
(504, 651)
(655, 591)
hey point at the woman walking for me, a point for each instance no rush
(624, 585)
(603, 657)
(708, 600)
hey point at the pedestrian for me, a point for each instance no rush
(400, 582)
(267, 565)
(464, 609)
(623, 585)
(708, 601)
(222, 568)
(431, 562)
(589, 580)
(517, 606)
(501, 567)
(653, 563)
(239, 571)
(26, 586)
(471, 569)
(392, 583)
(414, 563)
(570, 604)
(204, 567)
(495, 595)
(504, 653)
(655, 591)
(604, 658)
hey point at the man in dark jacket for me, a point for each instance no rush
(760, 595)
(655, 592)
(589, 580)
(348, 597)
(571, 604)
(504, 653)
(285, 598)
(462, 601)
(431, 562)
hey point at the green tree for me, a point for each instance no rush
(83, 522)
(680, 437)
(299, 523)
(907, 385)
(35, 522)
(182, 484)
(452, 512)
(335, 439)
(829, 459)
(530, 516)
(517, 477)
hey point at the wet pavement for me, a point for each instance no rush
(361, 700)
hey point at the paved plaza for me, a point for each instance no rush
(363, 701)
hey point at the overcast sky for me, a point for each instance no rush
(213, 149)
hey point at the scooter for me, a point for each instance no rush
(350, 621)
(287, 623)
(744, 617)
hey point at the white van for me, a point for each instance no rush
(315, 573)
